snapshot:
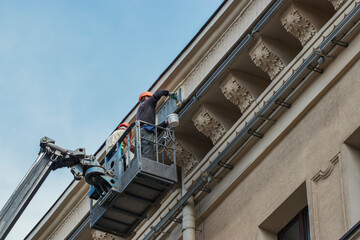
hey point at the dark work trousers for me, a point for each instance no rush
(147, 143)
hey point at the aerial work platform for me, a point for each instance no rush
(136, 174)
(140, 182)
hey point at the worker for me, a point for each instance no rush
(146, 113)
(114, 137)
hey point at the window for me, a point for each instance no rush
(297, 228)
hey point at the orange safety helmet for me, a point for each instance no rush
(145, 94)
(126, 125)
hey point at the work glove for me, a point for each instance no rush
(173, 95)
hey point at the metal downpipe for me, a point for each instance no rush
(188, 215)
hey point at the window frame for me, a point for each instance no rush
(303, 218)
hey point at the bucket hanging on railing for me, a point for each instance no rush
(173, 120)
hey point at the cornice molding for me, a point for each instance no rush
(270, 92)
(165, 206)
(295, 22)
(70, 221)
(217, 51)
(214, 198)
(54, 218)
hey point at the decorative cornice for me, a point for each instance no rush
(208, 125)
(295, 23)
(185, 158)
(236, 93)
(337, 3)
(325, 174)
(72, 220)
(222, 45)
(98, 235)
(266, 59)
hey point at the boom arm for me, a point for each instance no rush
(51, 157)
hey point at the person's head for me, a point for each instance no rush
(144, 96)
(123, 126)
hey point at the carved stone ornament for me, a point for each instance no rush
(296, 24)
(98, 235)
(266, 59)
(208, 125)
(236, 93)
(223, 44)
(337, 3)
(185, 158)
(325, 174)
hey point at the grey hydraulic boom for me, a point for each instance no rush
(50, 157)
(127, 186)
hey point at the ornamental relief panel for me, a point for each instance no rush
(236, 93)
(266, 58)
(295, 23)
(328, 202)
(321, 175)
(208, 124)
(337, 3)
(185, 158)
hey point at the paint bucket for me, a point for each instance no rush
(173, 120)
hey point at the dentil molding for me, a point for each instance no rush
(72, 219)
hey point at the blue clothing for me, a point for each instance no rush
(150, 128)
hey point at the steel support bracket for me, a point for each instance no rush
(340, 43)
(282, 103)
(256, 134)
(224, 165)
(176, 220)
(265, 118)
(323, 56)
(207, 190)
(315, 69)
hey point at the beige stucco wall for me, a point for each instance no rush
(299, 156)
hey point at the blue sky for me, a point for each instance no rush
(72, 70)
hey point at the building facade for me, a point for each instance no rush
(269, 139)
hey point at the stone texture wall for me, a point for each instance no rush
(308, 149)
